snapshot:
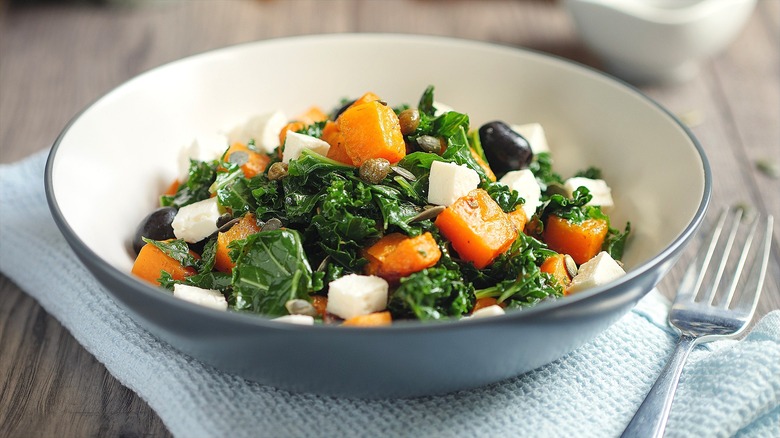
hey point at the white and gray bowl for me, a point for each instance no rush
(645, 41)
(111, 162)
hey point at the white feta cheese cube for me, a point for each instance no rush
(296, 142)
(196, 221)
(263, 129)
(296, 319)
(354, 295)
(534, 133)
(449, 181)
(488, 311)
(597, 271)
(602, 194)
(204, 148)
(203, 297)
(524, 182)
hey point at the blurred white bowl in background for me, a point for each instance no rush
(657, 40)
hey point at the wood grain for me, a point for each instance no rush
(57, 57)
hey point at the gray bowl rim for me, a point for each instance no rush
(126, 280)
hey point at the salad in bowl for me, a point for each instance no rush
(371, 212)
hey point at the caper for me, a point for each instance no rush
(429, 143)
(410, 120)
(155, 226)
(374, 170)
(277, 171)
(272, 224)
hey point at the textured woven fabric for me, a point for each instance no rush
(728, 388)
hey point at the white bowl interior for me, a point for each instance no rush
(120, 154)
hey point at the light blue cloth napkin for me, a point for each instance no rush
(728, 388)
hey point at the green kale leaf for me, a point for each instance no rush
(271, 268)
(433, 293)
(202, 175)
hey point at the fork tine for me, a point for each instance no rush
(740, 265)
(757, 272)
(694, 275)
(711, 292)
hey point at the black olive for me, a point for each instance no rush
(505, 149)
(156, 226)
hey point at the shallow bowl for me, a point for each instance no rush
(110, 163)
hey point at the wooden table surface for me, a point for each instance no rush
(57, 57)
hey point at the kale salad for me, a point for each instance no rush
(370, 213)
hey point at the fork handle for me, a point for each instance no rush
(650, 419)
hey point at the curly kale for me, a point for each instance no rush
(432, 293)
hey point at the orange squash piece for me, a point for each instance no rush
(173, 188)
(395, 255)
(312, 115)
(332, 136)
(151, 261)
(481, 303)
(485, 166)
(519, 219)
(375, 319)
(246, 226)
(556, 266)
(581, 241)
(320, 304)
(368, 96)
(371, 130)
(256, 162)
(477, 227)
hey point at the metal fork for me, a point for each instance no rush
(704, 320)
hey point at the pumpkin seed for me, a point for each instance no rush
(223, 219)
(571, 265)
(300, 307)
(272, 224)
(429, 212)
(404, 173)
(228, 222)
(238, 158)
(768, 168)
(323, 264)
(748, 212)
(429, 143)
